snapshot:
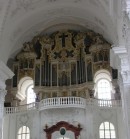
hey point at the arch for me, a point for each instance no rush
(23, 133)
(107, 131)
(66, 125)
(59, 16)
(100, 74)
(23, 85)
(30, 94)
(103, 86)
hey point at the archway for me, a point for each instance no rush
(25, 86)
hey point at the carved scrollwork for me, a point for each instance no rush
(63, 58)
(25, 73)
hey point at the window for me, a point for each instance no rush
(107, 131)
(63, 138)
(31, 96)
(25, 91)
(24, 133)
(103, 85)
(104, 89)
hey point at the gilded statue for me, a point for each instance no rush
(79, 39)
(28, 47)
(46, 41)
(98, 39)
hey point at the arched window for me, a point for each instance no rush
(103, 88)
(103, 85)
(31, 96)
(25, 91)
(107, 131)
(23, 133)
(64, 138)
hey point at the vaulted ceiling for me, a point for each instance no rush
(21, 20)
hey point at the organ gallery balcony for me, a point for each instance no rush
(64, 102)
(68, 69)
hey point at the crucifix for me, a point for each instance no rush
(63, 36)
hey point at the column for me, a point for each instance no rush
(5, 73)
(125, 95)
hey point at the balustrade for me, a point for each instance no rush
(62, 102)
(104, 103)
(31, 106)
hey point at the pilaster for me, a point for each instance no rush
(120, 60)
(2, 99)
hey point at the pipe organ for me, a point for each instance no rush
(64, 60)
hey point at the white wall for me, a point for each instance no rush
(89, 119)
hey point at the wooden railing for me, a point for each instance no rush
(64, 102)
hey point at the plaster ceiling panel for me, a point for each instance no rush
(45, 15)
(19, 7)
(27, 18)
(22, 8)
(59, 13)
(105, 4)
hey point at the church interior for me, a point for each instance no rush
(64, 69)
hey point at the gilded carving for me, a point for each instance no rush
(100, 66)
(24, 73)
(64, 58)
(79, 39)
(28, 47)
(63, 48)
(46, 41)
(81, 93)
(27, 52)
(99, 39)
